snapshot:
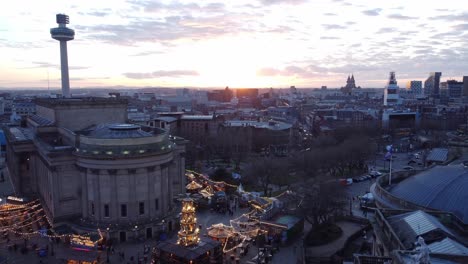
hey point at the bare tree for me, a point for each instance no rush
(267, 171)
(321, 201)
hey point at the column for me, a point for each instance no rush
(151, 194)
(84, 193)
(114, 203)
(157, 190)
(132, 206)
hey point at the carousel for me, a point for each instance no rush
(193, 187)
(248, 229)
(220, 232)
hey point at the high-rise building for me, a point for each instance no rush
(455, 88)
(465, 85)
(63, 34)
(415, 87)
(391, 93)
(432, 84)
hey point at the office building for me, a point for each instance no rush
(415, 87)
(432, 84)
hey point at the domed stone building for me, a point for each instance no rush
(91, 168)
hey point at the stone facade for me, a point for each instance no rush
(85, 163)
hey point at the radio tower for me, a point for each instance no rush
(63, 34)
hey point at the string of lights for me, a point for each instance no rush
(237, 223)
(20, 224)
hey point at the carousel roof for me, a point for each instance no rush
(220, 231)
(193, 186)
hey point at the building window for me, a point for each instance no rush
(92, 209)
(156, 204)
(106, 210)
(142, 208)
(123, 210)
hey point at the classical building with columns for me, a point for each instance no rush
(91, 168)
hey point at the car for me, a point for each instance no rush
(367, 177)
(465, 163)
(356, 179)
(346, 182)
(375, 174)
(408, 168)
(411, 162)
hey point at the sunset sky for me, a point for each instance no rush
(237, 43)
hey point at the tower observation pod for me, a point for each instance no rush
(63, 34)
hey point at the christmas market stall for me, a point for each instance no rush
(283, 228)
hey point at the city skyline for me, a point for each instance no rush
(264, 43)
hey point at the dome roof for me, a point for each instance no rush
(118, 131)
(441, 188)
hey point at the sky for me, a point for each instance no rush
(236, 43)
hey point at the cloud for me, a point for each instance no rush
(461, 27)
(98, 13)
(147, 53)
(43, 64)
(387, 30)
(453, 17)
(333, 26)
(330, 14)
(19, 45)
(158, 74)
(329, 37)
(401, 17)
(289, 71)
(372, 12)
(268, 72)
(170, 28)
(289, 2)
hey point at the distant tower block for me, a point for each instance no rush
(63, 34)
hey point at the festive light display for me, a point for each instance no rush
(189, 232)
(29, 216)
(245, 226)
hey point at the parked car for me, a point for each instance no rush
(347, 181)
(408, 168)
(367, 177)
(356, 179)
(375, 174)
(465, 163)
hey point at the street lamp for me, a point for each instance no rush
(136, 232)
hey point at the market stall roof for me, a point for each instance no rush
(220, 231)
(188, 253)
(288, 220)
(71, 254)
(193, 186)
